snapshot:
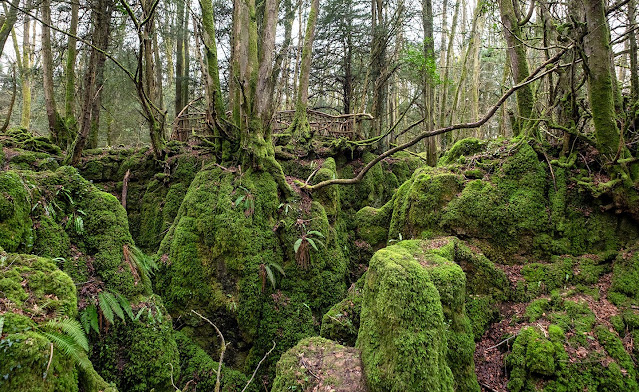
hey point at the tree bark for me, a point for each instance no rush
(600, 81)
(69, 90)
(518, 63)
(10, 18)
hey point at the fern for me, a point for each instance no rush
(72, 328)
(69, 348)
(67, 335)
(106, 310)
(1, 325)
(112, 303)
(126, 306)
(89, 319)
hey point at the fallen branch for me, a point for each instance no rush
(535, 75)
(258, 366)
(222, 349)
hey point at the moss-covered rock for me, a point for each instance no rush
(229, 229)
(199, 370)
(15, 209)
(39, 349)
(398, 296)
(319, 364)
(341, 322)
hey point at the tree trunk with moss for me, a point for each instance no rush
(599, 76)
(57, 129)
(215, 104)
(518, 64)
(69, 89)
(10, 18)
(300, 128)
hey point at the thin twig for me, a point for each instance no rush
(219, 366)
(258, 366)
(46, 372)
(500, 343)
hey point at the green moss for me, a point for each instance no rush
(339, 367)
(35, 286)
(15, 222)
(199, 370)
(419, 203)
(399, 294)
(341, 322)
(537, 309)
(482, 312)
(534, 356)
(142, 354)
(212, 257)
(615, 348)
(372, 224)
(623, 290)
(464, 147)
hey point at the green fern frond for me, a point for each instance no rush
(145, 264)
(71, 328)
(113, 303)
(125, 304)
(316, 233)
(312, 242)
(297, 244)
(278, 268)
(270, 275)
(69, 348)
(1, 325)
(106, 310)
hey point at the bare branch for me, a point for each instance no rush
(223, 348)
(258, 366)
(535, 75)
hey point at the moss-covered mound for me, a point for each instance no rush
(42, 347)
(398, 296)
(261, 269)
(506, 200)
(86, 232)
(341, 322)
(318, 364)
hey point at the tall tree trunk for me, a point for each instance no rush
(518, 63)
(215, 106)
(181, 81)
(25, 65)
(10, 18)
(475, 42)
(632, 44)
(447, 65)
(69, 90)
(600, 81)
(101, 17)
(300, 127)
(57, 129)
(378, 66)
(428, 88)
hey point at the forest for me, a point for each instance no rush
(306, 195)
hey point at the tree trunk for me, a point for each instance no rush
(101, 17)
(300, 127)
(69, 90)
(10, 18)
(600, 80)
(378, 66)
(632, 38)
(428, 88)
(518, 63)
(57, 130)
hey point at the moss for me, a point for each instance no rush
(372, 224)
(319, 363)
(419, 203)
(341, 322)
(199, 370)
(623, 290)
(34, 292)
(15, 222)
(464, 147)
(537, 309)
(141, 355)
(23, 362)
(212, 257)
(399, 294)
(534, 356)
(482, 312)
(35, 286)
(615, 348)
